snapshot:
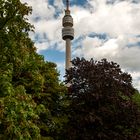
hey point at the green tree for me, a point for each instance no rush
(30, 91)
(18, 110)
(101, 102)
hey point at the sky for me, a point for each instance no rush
(103, 29)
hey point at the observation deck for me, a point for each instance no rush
(67, 22)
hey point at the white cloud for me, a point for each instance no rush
(41, 9)
(41, 46)
(47, 26)
(114, 49)
(120, 21)
(136, 79)
(120, 18)
(59, 4)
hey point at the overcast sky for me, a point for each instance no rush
(103, 29)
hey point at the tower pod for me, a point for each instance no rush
(68, 33)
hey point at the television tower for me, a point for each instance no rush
(67, 34)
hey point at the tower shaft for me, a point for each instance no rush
(68, 53)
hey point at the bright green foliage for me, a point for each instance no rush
(18, 116)
(30, 92)
(18, 110)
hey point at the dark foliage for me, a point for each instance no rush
(101, 104)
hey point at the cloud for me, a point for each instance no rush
(47, 24)
(59, 4)
(136, 79)
(118, 20)
(41, 9)
(114, 49)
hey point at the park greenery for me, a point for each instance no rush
(100, 103)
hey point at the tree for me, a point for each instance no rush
(30, 90)
(101, 104)
(18, 110)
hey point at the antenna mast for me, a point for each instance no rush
(67, 3)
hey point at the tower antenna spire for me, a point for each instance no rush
(67, 3)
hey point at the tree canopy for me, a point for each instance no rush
(101, 102)
(30, 90)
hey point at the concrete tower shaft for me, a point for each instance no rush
(68, 33)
